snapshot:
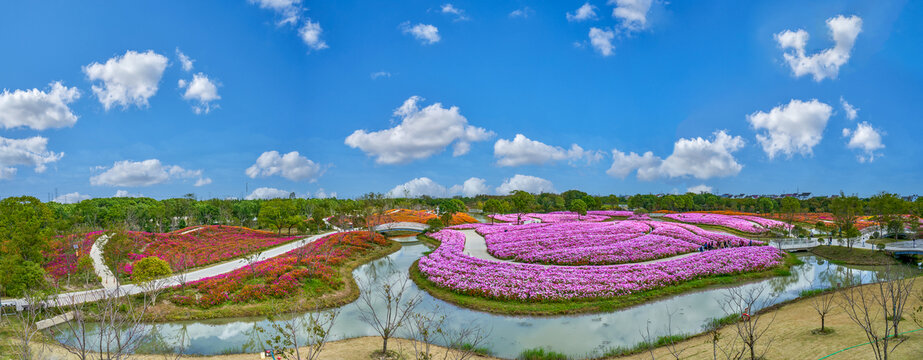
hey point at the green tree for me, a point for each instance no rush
(491, 207)
(579, 207)
(887, 209)
(522, 202)
(150, 268)
(275, 214)
(25, 225)
(766, 205)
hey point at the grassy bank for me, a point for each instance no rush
(853, 256)
(326, 298)
(545, 308)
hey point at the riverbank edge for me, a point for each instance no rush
(571, 307)
(842, 255)
(343, 296)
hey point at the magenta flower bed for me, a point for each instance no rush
(552, 217)
(749, 224)
(449, 268)
(589, 243)
(612, 213)
(61, 256)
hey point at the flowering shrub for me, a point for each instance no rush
(208, 245)
(61, 257)
(552, 217)
(745, 223)
(281, 276)
(612, 213)
(449, 268)
(418, 216)
(589, 243)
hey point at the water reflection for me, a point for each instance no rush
(574, 334)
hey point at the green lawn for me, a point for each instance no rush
(853, 256)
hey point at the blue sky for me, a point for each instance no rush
(371, 96)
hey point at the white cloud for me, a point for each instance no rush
(427, 34)
(202, 90)
(265, 193)
(31, 151)
(291, 166)
(38, 110)
(124, 193)
(72, 198)
(380, 74)
(184, 60)
(525, 183)
(321, 194)
(471, 187)
(700, 189)
(865, 138)
(310, 33)
(130, 79)
(602, 40)
(826, 63)
(290, 10)
(421, 134)
(698, 157)
(793, 128)
(852, 112)
(203, 182)
(422, 186)
(523, 13)
(451, 9)
(585, 12)
(142, 173)
(523, 151)
(632, 13)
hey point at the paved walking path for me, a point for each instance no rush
(476, 247)
(99, 265)
(79, 297)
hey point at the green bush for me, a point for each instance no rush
(150, 268)
(16, 277)
(541, 354)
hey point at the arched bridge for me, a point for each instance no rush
(401, 226)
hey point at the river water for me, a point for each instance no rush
(576, 335)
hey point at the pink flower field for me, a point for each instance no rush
(745, 223)
(449, 268)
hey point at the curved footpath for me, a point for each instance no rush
(476, 247)
(79, 297)
(108, 280)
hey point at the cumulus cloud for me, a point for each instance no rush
(380, 74)
(525, 183)
(142, 173)
(310, 33)
(865, 138)
(523, 151)
(130, 79)
(291, 166)
(427, 34)
(700, 189)
(71, 198)
(125, 193)
(523, 12)
(184, 60)
(201, 90)
(321, 194)
(31, 151)
(202, 182)
(602, 40)
(471, 187)
(265, 193)
(791, 129)
(852, 112)
(451, 9)
(632, 13)
(585, 12)
(698, 157)
(826, 63)
(421, 134)
(37, 109)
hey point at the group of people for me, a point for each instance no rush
(718, 245)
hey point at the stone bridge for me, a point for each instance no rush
(401, 226)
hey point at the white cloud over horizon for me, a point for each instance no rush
(527, 183)
(37, 109)
(291, 166)
(32, 151)
(826, 63)
(71, 198)
(266, 193)
(127, 173)
(524, 151)
(129, 79)
(422, 133)
(700, 189)
(697, 157)
(794, 128)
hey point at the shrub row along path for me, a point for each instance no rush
(476, 247)
(78, 297)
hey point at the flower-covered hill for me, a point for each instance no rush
(309, 271)
(418, 216)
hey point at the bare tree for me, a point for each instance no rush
(728, 350)
(422, 331)
(24, 328)
(647, 339)
(671, 339)
(823, 304)
(878, 309)
(465, 341)
(315, 324)
(753, 328)
(386, 307)
(252, 256)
